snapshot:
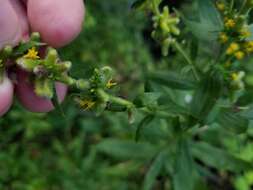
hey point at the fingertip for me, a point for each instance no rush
(27, 97)
(58, 21)
(10, 31)
(6, 95)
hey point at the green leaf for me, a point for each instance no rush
(137, 4)
(206, 95)
(209, 24)
(248, 113)
(233, 121)
(144, 122)
(123, 149)
(168, 105)
(209, 13)
(218, 158)
(184, 178)
(154, 171)
(172, 80)
(147, 99)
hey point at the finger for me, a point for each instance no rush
(27, 97)
(21, 14)
(6, 95)
(58, 21)
(10, 31)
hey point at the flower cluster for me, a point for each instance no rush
(165, 28)
(45, 68)
(236, 32)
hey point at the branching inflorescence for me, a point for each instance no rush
(45, 68)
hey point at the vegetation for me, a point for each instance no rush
(162, 96)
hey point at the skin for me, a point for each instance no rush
(6, 94)
(58, 22)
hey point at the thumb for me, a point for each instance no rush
(10, 31)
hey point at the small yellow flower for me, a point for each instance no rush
(239, 55)
(220, 6)
(86, 104)
(233, 47)
(110, 84)
(32, 54)
(245, 33)
(249, 47)
(234, 76)
(223, 37)
(230, 23)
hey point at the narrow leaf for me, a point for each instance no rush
(184, 178)
(218, 158)
(154, 171)
(172, 80)
(206, 95)
(123, 149)
(233, 121)
(144, 122)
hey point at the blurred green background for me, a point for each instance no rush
(84, 151)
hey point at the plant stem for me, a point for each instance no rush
(187, 58)
(117, 100)
(243, 6)
(231, 5)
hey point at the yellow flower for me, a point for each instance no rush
(233, 47)
(110, 84)
(86, 104)
(234, 76)
(223, 37)
(220, 6)
(32, 54)
(230, 23)
(249, 47)
(239, 55)
(245, 33)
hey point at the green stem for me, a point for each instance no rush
(187, 58)
(155, 8)
(231, 5)
(243, 6)
(117, 100)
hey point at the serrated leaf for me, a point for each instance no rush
(143, 123)
(167, 104)
(202, 31)
(147, 99)
(123, 149)
(184, 177)
(172, 80)
(154, 171)
(209, 14)
(218, 158)
(233, 121)
(206, 95)
(248, 113)
(209, 24)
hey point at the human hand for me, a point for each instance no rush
(58, 22)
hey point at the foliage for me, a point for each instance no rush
(190, 110)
